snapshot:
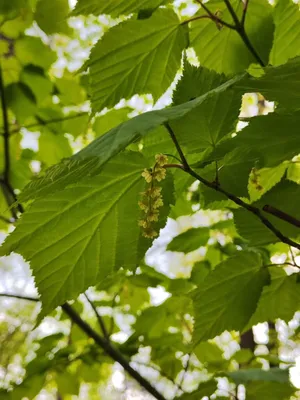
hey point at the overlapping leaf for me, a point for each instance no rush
(90, 160)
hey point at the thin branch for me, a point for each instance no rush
(20, 297)
(184, 372)
(178, 148)
(45, 122)
(99, 318)
(215, 17)
(212, 185)
(8, 191)
(245, 8)
(195, 19)
(6, 171)
(111, 351)
(293, 258)
(281, 215)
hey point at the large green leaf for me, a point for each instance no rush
(286, 42)
(206, 125)
(229, 295)
(75, 238)
(221, 48)
(89, 160)
(136, 56)
(114, 7)
(281, 299)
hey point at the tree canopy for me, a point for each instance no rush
(149, 203)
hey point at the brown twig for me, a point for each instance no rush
(214, 17)
(99, 318)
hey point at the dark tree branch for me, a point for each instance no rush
(20, 297)
(6, 171)
(281, 215)
(99, 318)
(212, 185)
(246, 4)
(8, 191)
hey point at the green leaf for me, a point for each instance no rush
(274, 137)
(21, 101)
(51, 16)
(286, 42)
(67, 383)
(264, 179)
(70, 91)
(39, 84)
(221, 48)
(206, 125)
(89, 160)
(281, 299)
(98, 232)
(190, 240)
(76, 124)
(52, 148)
(256, 374)
(229, 295)
(281, 83)
(108, 121)
(136, 57)
(293, 172)
(265, 390)
(207, 352)
(114, 7)
(284, 196)
(205, 389)
(27, 48)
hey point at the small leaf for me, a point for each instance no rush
(190, 240)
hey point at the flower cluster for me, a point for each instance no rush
(152, 197)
